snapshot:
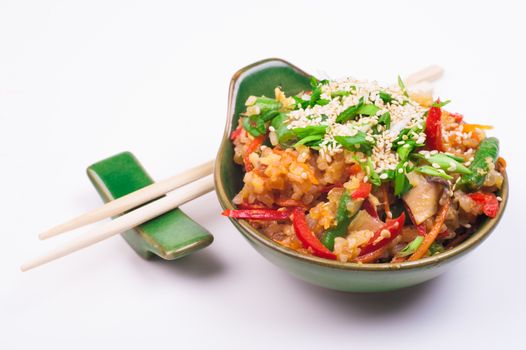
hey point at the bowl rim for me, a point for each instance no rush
(254, 235)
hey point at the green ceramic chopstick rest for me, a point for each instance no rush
(169, 236)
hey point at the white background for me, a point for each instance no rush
(80, 81)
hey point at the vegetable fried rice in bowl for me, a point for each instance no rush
(351, 174)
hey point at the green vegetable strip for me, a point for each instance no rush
(385, 119)
(458, 159)
(406, 149)
(309, 140)
(441, 104)
(448, 164)
(360, 109)
(373, 176)
(350, 112)
(367, 109)
(385, 97)
(401, 182)
(284, 134)
(254, 125)
(310, 130)
(357, 142)
(267, 104)
(268, 116)
(402, 86)
(411, 247)
(488, 152)
(436, 248)
(343, 219)
(340, 93)
(429, 170)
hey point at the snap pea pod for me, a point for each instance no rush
(343, 219)
(429, 170)
(448, 163)
(267, 104)
(488, 152)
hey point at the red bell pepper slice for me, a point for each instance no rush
(376, 242)
(235, 134)
(258, 141)
(434, 129)
(369, 208)
(363, 191)
(488, 202)
(258, 214)
(307, 237)
(457, 116)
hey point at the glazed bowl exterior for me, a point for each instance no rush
(260, 79)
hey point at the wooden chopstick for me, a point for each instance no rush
(426, 75)
(128, 221)
(132, 200)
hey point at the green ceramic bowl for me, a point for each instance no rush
(260, 79)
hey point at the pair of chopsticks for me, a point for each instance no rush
(196, 181)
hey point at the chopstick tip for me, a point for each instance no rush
(49, 233)
(42, 236)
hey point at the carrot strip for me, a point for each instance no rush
(472, 127)
(502, 163)
(432, 235)
(289, 203)
(372, 256)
